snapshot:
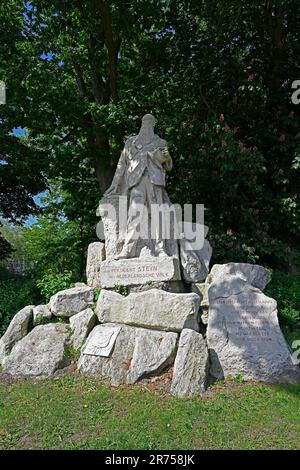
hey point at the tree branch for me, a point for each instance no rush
(79, 78)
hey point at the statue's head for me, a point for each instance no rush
(148, 121)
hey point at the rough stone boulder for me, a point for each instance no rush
(134, 353)
(243, 333)
(95, 255)
(16, 330)
(41, 312)
(110, 225)
(195, 261)
(81, 325)
(191, 365)
(254, 274)
(68, 302)
(154, 308)
(40, 353)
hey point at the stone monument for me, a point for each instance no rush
(159, 308)
(155, 265)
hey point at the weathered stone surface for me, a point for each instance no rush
(254, 274)
(202, 290)
(81, 325)
(110, 222)
(195, 261)
(16, 330)
(135, 271)
(137, 353)
(154, 308)
(243, 334)
(71, 301)
(95, 256)
(176, 287)
(40, 353)
(102, 341)
(191, 365)
(41, 312)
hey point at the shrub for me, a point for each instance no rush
(15, 293)
(120, 289)
(285, 288)
(51, 283)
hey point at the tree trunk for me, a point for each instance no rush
(104, 91)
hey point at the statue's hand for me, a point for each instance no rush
(167, 159)
(159, 155)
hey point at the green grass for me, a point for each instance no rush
(80, 413)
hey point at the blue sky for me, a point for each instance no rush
(37, 199)
(19, 131)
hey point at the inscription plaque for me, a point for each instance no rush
(101, 341)
(136, 271)
(244, 337)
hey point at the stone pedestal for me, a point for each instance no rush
(154, 309)
(136, 271)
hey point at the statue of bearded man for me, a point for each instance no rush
(141, 174)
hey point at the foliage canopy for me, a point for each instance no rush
(216, 74)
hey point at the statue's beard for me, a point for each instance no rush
(146, 134)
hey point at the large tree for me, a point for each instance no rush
(216, 73)
(21, 165)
